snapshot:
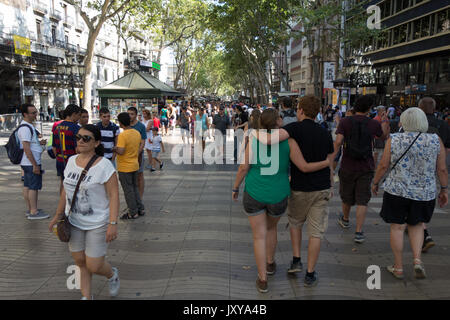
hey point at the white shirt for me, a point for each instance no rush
(91, 209)
(24, 134)
(156, 143)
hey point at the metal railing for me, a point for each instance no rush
(69, 21)
(40, 7)
(56, 14)
(9, 122)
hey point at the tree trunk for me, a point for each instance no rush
(87, 82)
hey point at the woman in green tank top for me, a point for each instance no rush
(266, 173)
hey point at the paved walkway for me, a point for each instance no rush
(195, 243)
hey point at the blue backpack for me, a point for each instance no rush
(13, 149)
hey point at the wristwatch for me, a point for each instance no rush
(113, 223)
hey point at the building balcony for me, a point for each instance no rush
(79, 26)
(56, 15)
(69, 22)
(40, 8)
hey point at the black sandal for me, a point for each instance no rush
(141, 213)
(128, 216)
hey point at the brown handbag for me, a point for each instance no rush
(63, 226)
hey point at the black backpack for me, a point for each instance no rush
(13, 149)
(434, 125)
(359, 144)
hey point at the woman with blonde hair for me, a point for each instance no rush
(267, 190)
(414, 158)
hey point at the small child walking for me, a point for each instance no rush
(157, 146)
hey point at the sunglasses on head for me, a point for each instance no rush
(86, 139)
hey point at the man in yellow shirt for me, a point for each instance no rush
(127, 150)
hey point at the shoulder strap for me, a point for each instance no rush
(25, 125)
(83, 174)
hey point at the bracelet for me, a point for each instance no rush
(235, 190)
(443, 188)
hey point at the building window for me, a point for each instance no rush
(53, 35)
(66, 38)
(444, 70)
(416, 26)
(386, 9)
(106, 74)
(443, 21)
(425, 27)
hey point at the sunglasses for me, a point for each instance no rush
(86, 139)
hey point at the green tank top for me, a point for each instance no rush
(267, 181)
(164, 113)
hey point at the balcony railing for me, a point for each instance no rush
(40, 7)
(68, 21)
(79, 25)
(56, 14)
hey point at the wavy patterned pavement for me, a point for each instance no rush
(195, 243)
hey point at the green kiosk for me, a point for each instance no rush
(136, 89)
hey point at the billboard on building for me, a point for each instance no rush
(328, 75)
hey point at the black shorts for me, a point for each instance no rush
(60, 167)
(354, 187)
(253, 207)
(401, 210)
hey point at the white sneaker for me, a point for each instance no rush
(84, 298)
(114, 283)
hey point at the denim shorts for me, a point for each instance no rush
(155, 154)
(253, 207)
(164, 122)
(30, 180)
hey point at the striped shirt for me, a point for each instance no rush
(109, 134)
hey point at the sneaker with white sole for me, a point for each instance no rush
(38, 216)
(343, 223)
(295, 267)
(359, 237)
(114, 283)
(27, 214)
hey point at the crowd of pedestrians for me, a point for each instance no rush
(413, 149)
(374, 148)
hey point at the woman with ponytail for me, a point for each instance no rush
(94, 213)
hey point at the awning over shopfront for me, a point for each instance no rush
(137, 85)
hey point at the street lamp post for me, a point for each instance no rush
(72, 71)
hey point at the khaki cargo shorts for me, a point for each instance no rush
(310, 207)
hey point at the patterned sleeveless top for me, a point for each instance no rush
(414, 177)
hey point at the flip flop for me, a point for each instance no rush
(127, 216)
